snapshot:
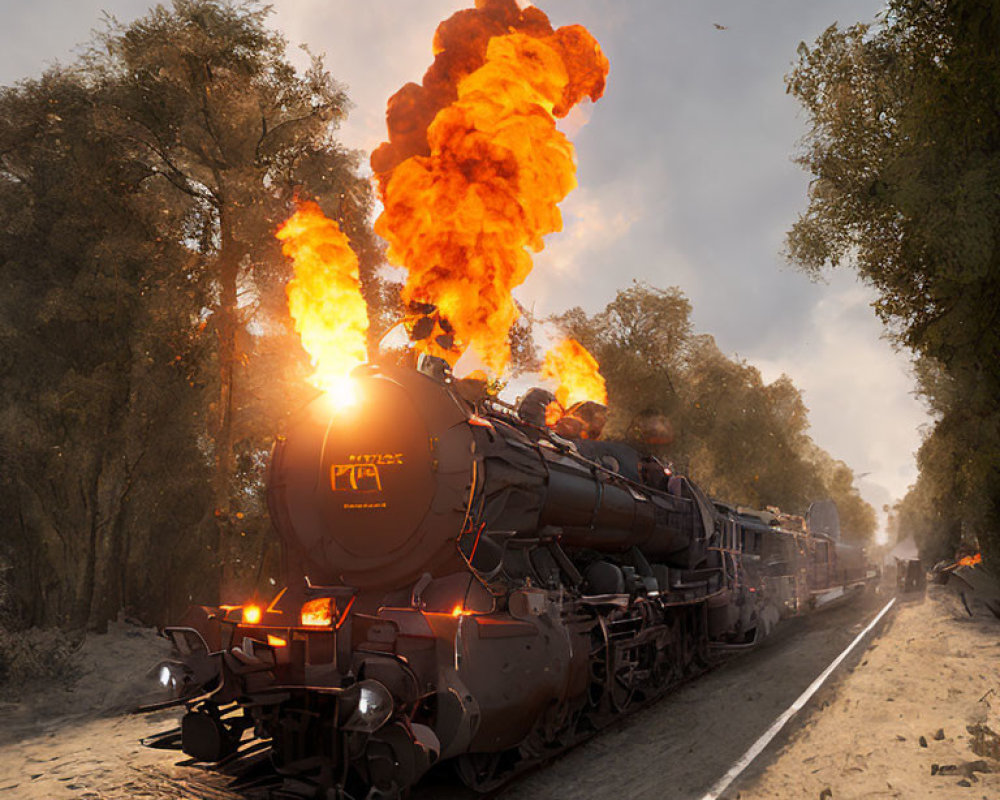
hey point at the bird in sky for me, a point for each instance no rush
(719, 27)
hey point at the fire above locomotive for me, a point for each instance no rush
(464, 583)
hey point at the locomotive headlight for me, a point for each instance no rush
(172, 676)
(167, 680)
(373, 707)
(340, 392)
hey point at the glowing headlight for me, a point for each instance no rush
(172, 676)
(167, 679)
(373, 709)
(340, 391)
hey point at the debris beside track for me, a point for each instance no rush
(932, 677)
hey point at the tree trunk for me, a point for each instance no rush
(80, 614)
(226, 315)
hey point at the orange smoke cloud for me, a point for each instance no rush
(576, 373)
(324, 296)
(474, 168)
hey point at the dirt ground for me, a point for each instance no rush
(925, 668)
(77, 741)
(898, 725)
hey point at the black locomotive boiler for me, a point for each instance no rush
(464, 584)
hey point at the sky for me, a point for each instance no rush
(686, 178)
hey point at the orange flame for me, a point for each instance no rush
(318, 612)
(324, 297)
(475, 166)
(576, 373)
(553, 413)
(970, 561)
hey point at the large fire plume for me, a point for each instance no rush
(474, 168)
(324, 297)
(575, 373)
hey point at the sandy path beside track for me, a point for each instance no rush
(933, 669)
(101, 759)
(65, 741)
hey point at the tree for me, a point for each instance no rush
(857, 516)
(205, 94)
(639, 340)
(749, 439)
(904, 147)
(744, 441)
(147, 354)
(86, 384)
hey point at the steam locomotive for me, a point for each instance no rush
(464, 583)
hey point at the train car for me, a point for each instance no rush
(465, 584)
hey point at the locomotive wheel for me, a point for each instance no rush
(624, 670)
(557, 728)
(669, 664)
(600, 655)
(662, 675)
(613, 670)
(653, 672)
(702, 656)
(676, 659)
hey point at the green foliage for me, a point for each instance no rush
(84, 319)
(904, 148)
(36, 658)
(743, 440)
(146, 354)
(640, 340)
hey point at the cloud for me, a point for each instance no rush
(374, 48)
(36, 35)
(594, 224)
(859, 390)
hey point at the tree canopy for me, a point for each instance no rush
(744, 441)
(904, 147)
(147, 349)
